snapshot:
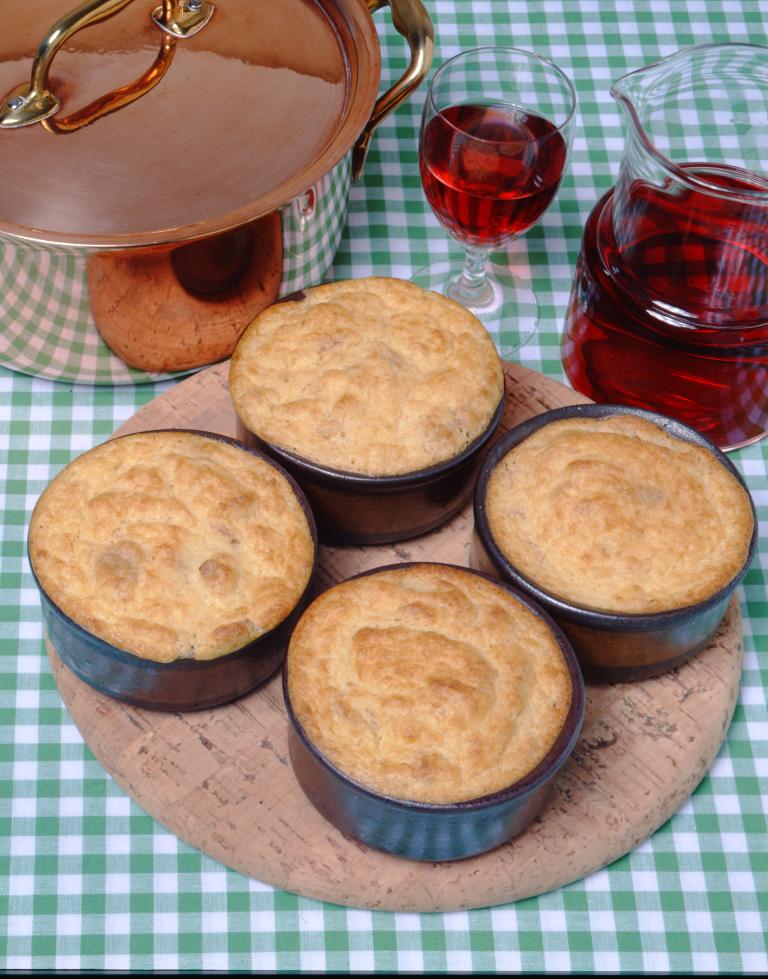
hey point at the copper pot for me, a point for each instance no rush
(222, 126)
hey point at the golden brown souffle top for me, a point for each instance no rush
(613, 514)
(370, 376)
(171, 545)
(427, 683)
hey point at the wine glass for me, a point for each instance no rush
(495, 136)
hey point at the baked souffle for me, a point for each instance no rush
(371, 376)
(615, 515)
(427, 683)
(172, 545)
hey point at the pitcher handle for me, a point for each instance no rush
(411, 19)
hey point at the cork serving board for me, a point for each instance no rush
(221, 779)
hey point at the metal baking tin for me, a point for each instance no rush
(354, 509)
(612, 647)
(183, 684)
(423, 831)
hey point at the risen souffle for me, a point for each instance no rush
(372, 376)
(170, 545)
(428, 683)
(614, 514)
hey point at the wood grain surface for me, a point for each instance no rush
(221, 779)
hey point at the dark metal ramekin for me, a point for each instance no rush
(425, 831)
(353, 509)
(612, 647)
(185, 684)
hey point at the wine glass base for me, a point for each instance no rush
(507, 309)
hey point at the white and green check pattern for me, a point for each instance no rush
(88, 881)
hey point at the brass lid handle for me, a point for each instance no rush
(182, 19)
(33, 101)
(411, 19)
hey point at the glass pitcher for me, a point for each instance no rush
(669, 306)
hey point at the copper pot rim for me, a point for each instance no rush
(172, 237)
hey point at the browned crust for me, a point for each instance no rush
(372, 376)
(171, 545)
(428, 683)
(616, 515)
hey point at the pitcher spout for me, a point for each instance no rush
(706, 103)
(656, 81)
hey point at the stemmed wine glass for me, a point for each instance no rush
(495, 136)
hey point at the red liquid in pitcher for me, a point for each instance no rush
(670, 312)
(489, 172)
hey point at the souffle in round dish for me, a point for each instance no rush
(601, 511)
(170, 564)
(431, 708)
(378, 396)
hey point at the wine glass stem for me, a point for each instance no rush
(473, 288)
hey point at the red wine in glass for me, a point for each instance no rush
(490, 171)
(495, 137)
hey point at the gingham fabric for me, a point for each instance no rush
(88, 881)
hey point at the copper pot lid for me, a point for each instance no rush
(248, 112)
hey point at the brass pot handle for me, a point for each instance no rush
(411, 19)
(33, 101)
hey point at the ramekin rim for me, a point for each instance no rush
(125, 656)
(545, 770)
(580, 615)
(365, 481)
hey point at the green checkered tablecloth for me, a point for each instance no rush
(89, 881)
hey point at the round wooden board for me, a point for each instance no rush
(221, 779)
